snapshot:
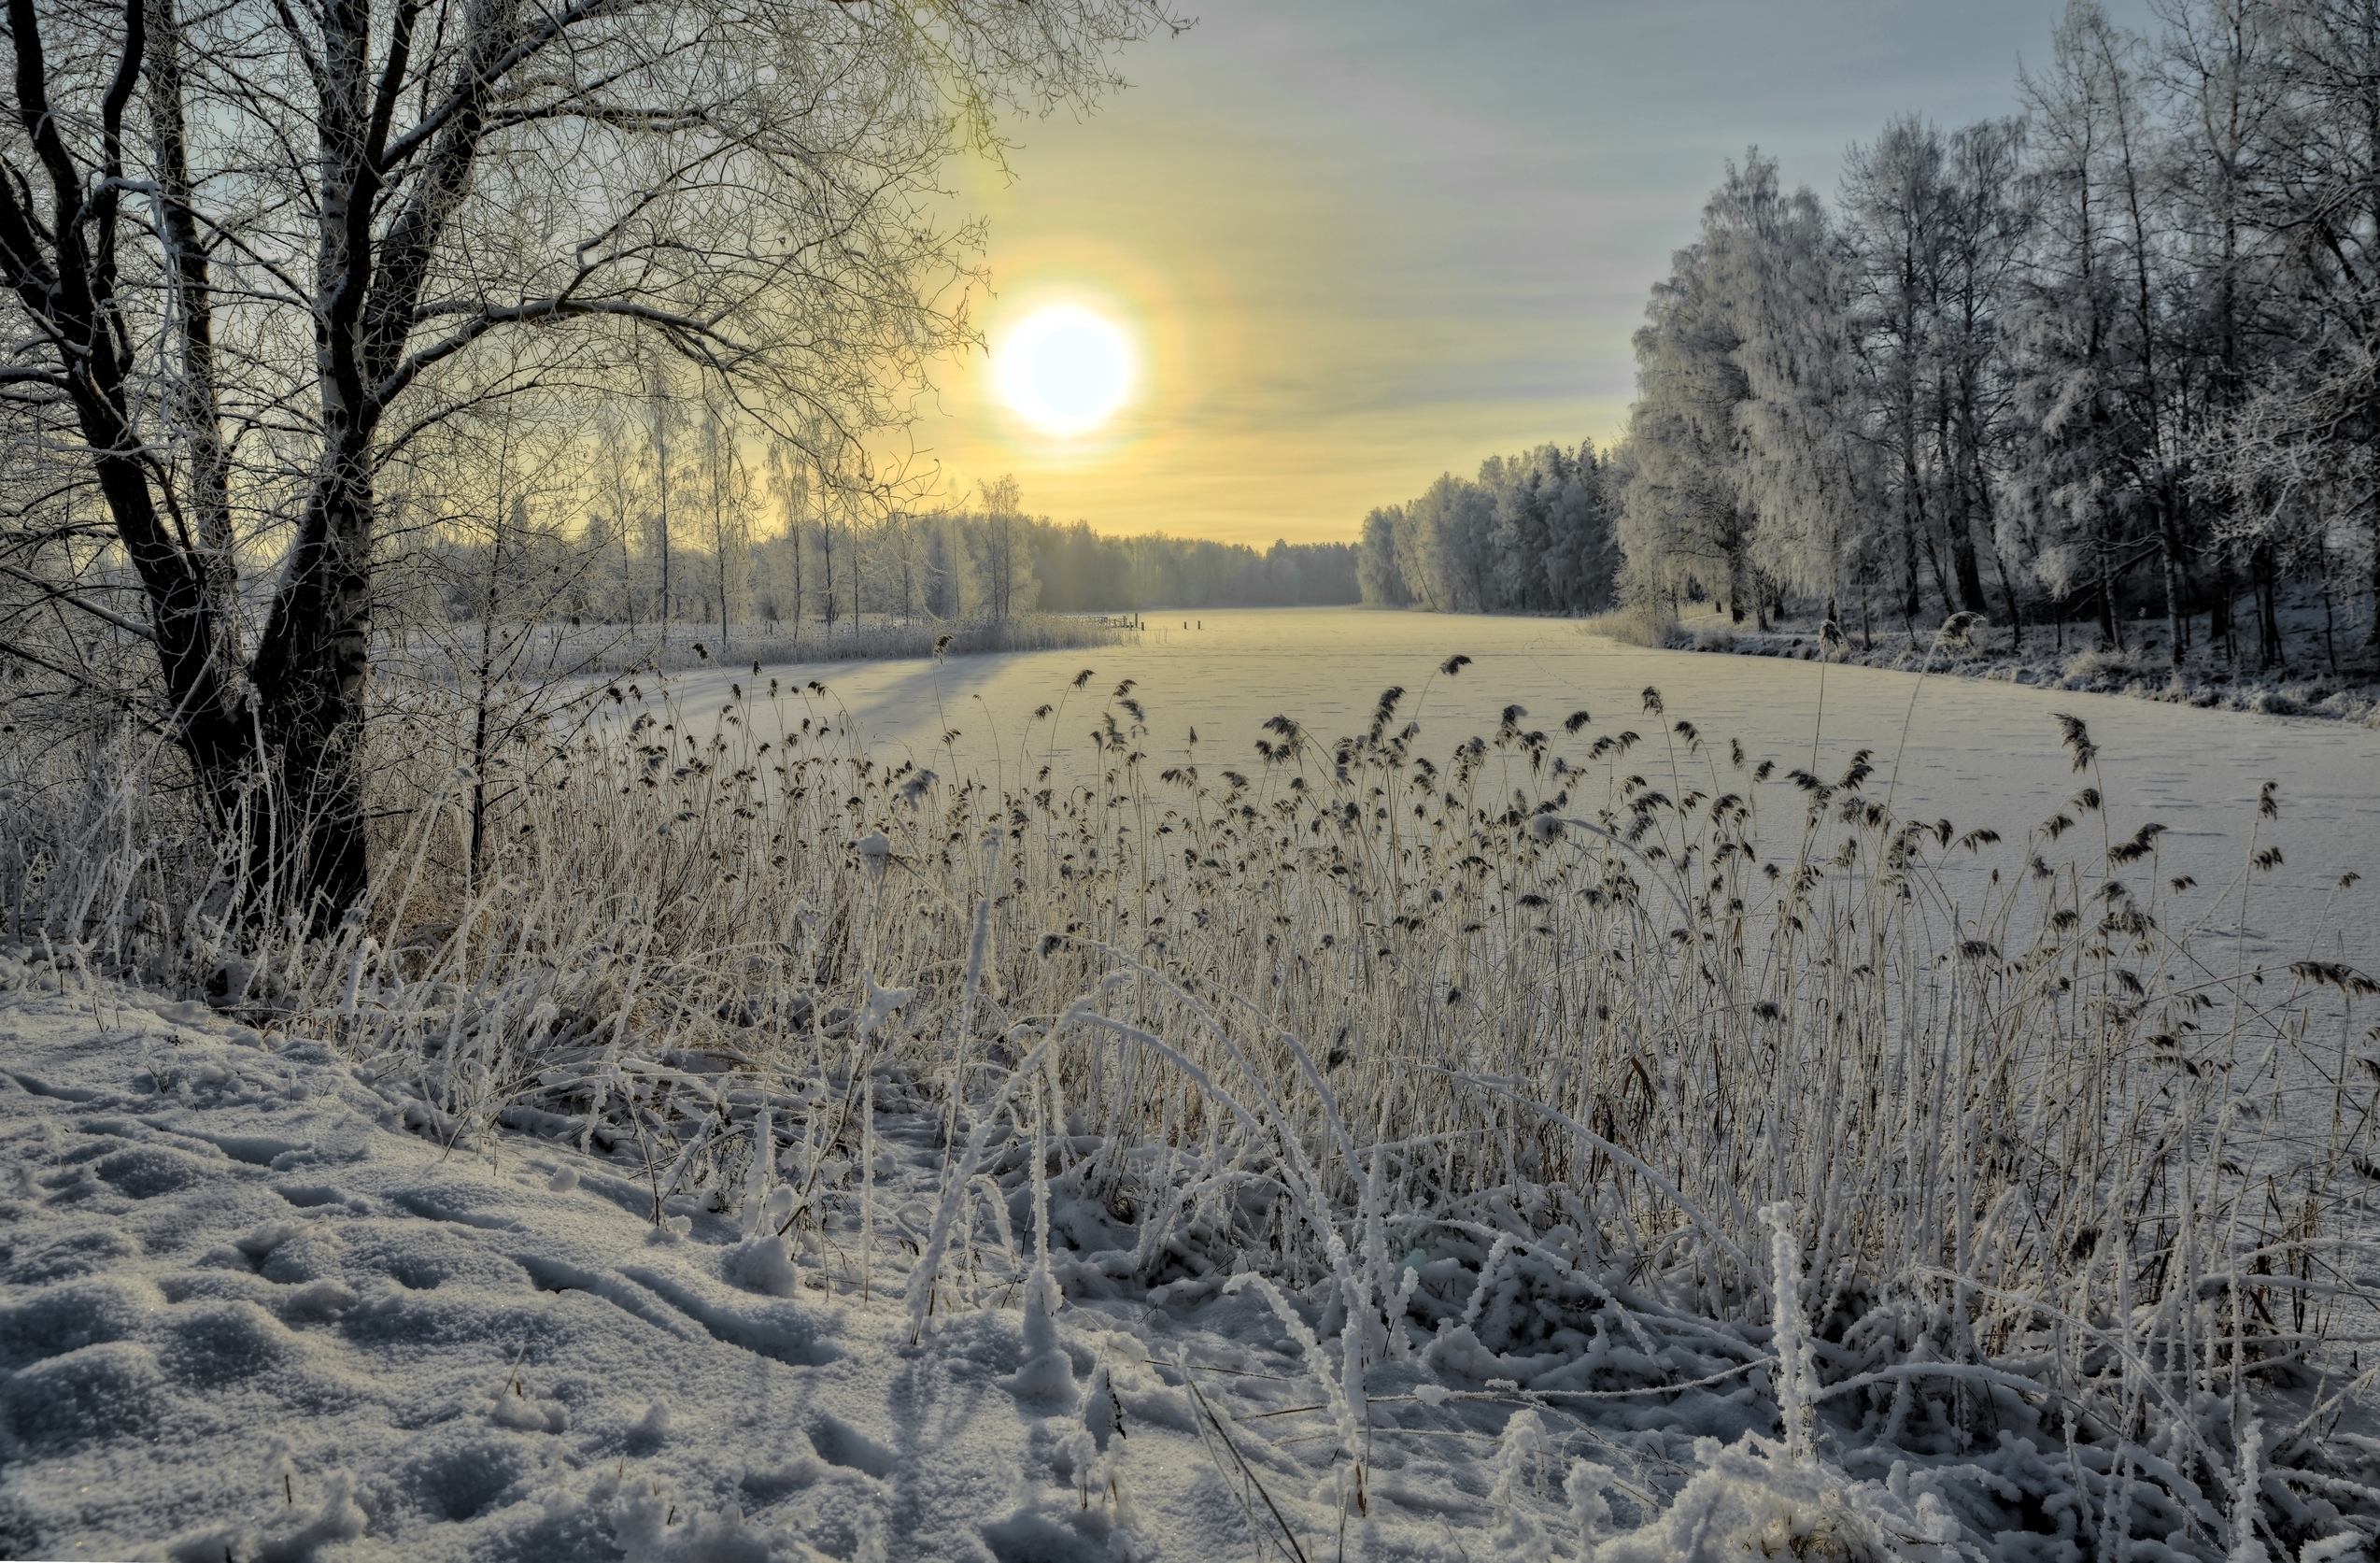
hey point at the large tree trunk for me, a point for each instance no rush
(2172, 521)
(1960, 518)
(2110, 636)
(1962, 561)
(309, 675)
(2270, 650)
(1999, 563)
(197, 652)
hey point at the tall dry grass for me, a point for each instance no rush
(1647, 624)
(1592, 998)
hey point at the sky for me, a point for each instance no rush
(1352, 244)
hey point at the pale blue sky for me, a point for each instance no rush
(1363, 243)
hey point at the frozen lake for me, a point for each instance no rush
(1981, 754)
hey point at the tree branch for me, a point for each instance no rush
(61, 594)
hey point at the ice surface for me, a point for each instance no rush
(1979, 753)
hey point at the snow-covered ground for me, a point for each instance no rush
(1979, 753)
(246, 1314)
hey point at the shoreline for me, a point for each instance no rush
(2202, 682)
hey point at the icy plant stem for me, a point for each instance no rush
(866, 1183)
(1796, 1369)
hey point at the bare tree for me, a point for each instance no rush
(615, 483)
(1002, 503)
(662, 419)
(727, 485)
(789, 478)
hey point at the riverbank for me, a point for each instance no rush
(2143, 673)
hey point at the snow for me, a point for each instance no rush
(1980, 753)
(245, 1313)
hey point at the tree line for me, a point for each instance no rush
(2112, 358)
(1079, 570)
(687, 514)
(690, 515)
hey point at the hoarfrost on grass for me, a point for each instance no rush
(1393, 1137)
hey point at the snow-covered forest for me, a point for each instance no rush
(1533, 533)
(2116, 352)
(2115, 356)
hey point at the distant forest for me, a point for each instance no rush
(678, 528)
(1532, 534)
(2113, 361)
(1080, 571)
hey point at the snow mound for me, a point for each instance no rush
(1751, 1501)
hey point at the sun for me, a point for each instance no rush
(1065, 369)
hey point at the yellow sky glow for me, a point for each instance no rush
(1352, 244)
(1293, 365)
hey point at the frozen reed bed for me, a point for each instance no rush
(1594, 1059)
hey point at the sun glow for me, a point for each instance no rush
(1065, 369)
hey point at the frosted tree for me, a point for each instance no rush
(785, 555)
(726, 514)
(2308, 443)
(2149, 447)
(1447, 546)
(906, 564)
(1582, 558)
(1421, 562)
(2068, 387)
(1800, 461)
(616, 500)
(1003, 565)
(1683, 526)
(2115, 357)
(1383, 583)
(1521, 490)
(2219, 64)
(1893, 191)
(1986, 224)
(315, 215)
